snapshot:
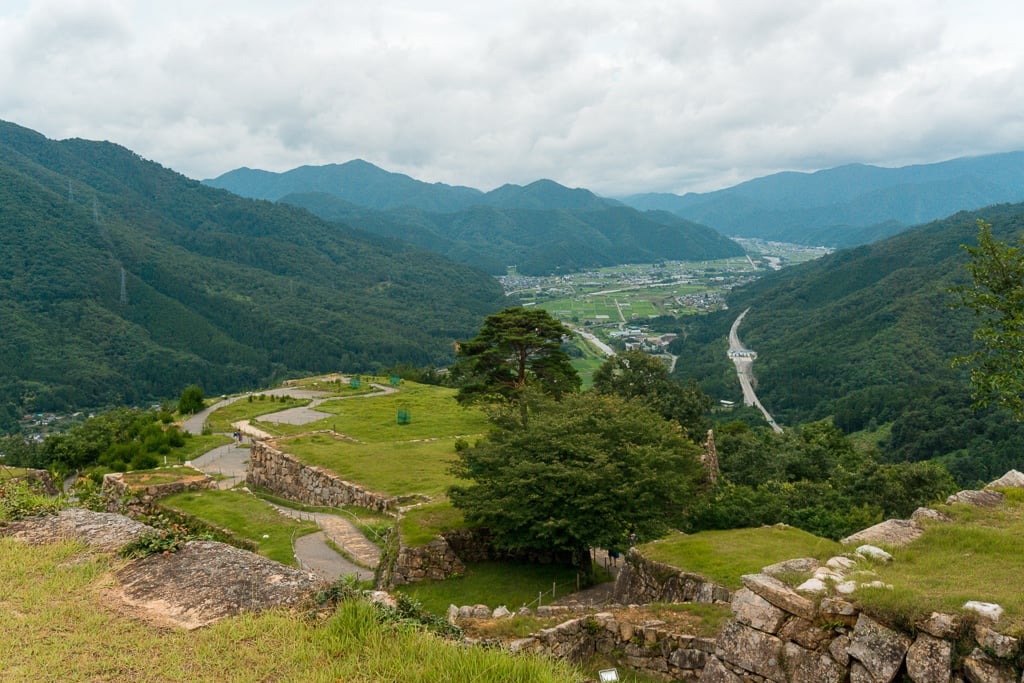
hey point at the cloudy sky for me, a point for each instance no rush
(616, 96)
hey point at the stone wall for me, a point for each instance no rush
(435, 561)
(122, 497)
(779, 635)
(641, 581)
(40, 478)
(649, 648)
(446, 556)
(289, 478)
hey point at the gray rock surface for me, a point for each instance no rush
(988, 499)
(879, 649)
(929, 659)
(891, 532)
(103, 531)
(1011, 480)
(779, 594)
(752, 650)
(206, 581)
(751, 609)
(808, 665)
(980, 668)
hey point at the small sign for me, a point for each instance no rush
(608, 675)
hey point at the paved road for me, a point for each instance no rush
(744, 360)
(314, 554)
(231, 461)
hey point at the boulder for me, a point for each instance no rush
(801, 565)
(996, 643)
(986, 499)
(808, 665)
(879, 649)
(751, 650)
(751, 609)
(715, 672)
(980, 668)
(929, 514)
(1011, 480)
(929, 659)
(988, 610)
(941, 625)
(779, 594)
(873, 552)
(102, 531)
(205, 581)
(891, 532)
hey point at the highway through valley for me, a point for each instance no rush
(744, 360)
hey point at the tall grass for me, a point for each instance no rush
(57, 626)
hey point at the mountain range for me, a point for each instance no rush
(122, 281)
(866, 336)
(539, 228)
(848, 205)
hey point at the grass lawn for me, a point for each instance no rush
(495, 583)
(246, 516)
(976, 557)
(12, 472)
(58, 627)
(433, 412)
(394, 469)
(724, 556)
(423, 523)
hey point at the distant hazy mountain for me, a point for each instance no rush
(536, 241)
(540, 228)
(848, 205)
(122, 281)
(866, 335)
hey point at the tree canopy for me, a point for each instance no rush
(635, 374)
(587, 471)
(996, 296)
(516, 349)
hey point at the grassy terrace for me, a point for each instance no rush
(725, 556)
(161, 475)
(394, 468)
(245, 516)
(976, 557)
(60, 628)
(433, 410)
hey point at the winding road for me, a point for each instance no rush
(312, 551)
(744, 360)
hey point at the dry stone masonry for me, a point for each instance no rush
(815, 634)
(289, 478)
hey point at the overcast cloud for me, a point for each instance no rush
(618, 97)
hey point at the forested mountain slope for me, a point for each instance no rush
(849, 205)
(536, 241)
(867, 335)
(540, 228)
(219, 290)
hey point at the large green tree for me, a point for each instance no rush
(635, 374)
(996, 296)
(587, 471)
(516, 350)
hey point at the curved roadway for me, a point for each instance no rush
(744, 360)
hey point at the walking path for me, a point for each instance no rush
(314, 554)
(312, 550)
(229, 461)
